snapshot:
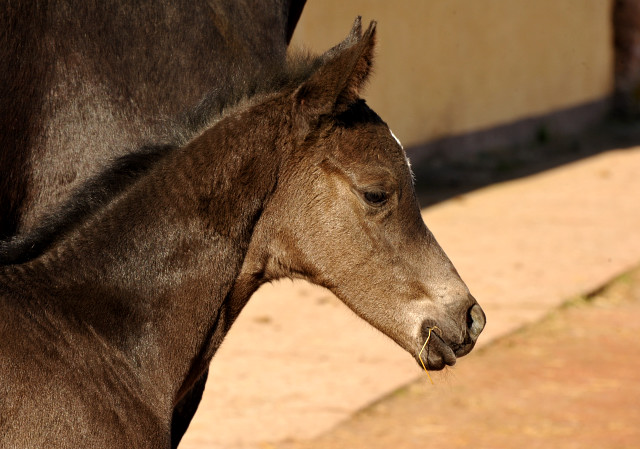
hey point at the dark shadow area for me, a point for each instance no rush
(440, 177)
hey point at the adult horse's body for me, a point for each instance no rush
(113, 318)
(86, 81)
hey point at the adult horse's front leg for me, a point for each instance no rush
(185, 409)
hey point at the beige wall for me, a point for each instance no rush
(447, 67)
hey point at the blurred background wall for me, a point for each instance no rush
(459, 76)
(626, 24)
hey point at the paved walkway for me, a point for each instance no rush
(297, 362)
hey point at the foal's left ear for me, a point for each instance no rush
(336, 83)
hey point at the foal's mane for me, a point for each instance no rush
(97, 192)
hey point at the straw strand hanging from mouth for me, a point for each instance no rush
(422, 350)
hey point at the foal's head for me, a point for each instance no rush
(344, 215)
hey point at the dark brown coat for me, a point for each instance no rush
(120, 313)
(86, 81)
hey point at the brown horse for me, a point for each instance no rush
(84, 81)
(113, 318)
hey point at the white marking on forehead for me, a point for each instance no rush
(409, 164)
(397, 140)
(413, 177)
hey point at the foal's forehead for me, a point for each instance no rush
(372, 143)
(363, 141)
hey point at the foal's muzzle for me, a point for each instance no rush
(443, 350)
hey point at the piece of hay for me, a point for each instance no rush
(422, 350)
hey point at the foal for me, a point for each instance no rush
(112, 320)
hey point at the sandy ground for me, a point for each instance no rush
(297, 363)
(571, 380)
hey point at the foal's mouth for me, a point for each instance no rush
(435, 353)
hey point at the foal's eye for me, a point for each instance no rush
(376, 197)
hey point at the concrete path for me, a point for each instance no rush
(297, 361)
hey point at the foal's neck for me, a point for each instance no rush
(151, 272)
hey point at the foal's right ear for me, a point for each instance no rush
(336, 83)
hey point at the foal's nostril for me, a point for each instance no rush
(475, 321)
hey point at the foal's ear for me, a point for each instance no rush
(344, 70)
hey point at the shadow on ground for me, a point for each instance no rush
(439, 177)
